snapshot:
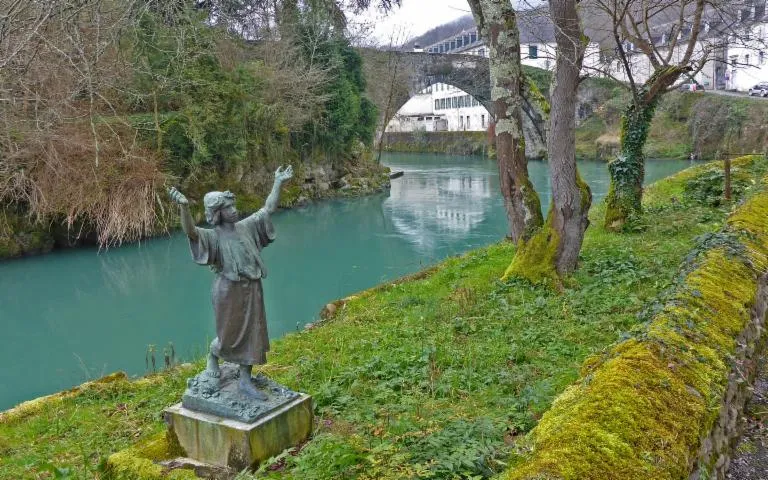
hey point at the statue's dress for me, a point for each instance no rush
(238, 299)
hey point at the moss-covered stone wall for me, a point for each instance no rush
(665, 404)
(456, 143)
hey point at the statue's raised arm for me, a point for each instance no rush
(187, 223)
(281, 176)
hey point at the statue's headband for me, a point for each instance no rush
(215, 201)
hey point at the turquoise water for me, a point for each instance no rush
(76, 315)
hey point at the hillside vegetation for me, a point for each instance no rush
(119, 100)
(685, 123)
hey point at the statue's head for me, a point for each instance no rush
(220, 207)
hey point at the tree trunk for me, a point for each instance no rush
(497, 24)
(627, 171)
(554, 251)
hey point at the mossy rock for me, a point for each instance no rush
(140, 462)
(20, 236)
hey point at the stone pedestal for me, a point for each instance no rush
(235, 444)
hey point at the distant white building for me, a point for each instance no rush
(734, 62)
(440, 107)
(748, 60)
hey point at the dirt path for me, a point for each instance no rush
(750, 461)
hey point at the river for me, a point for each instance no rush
(76, 315)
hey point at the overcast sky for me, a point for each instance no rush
(413, 18)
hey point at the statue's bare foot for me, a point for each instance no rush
(212, 368)
(246, 388)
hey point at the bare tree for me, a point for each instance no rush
(497, 25)
(673, 40)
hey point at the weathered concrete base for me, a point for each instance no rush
(230, 443)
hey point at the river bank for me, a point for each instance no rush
(439, 375)
(22, 236)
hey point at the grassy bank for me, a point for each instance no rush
(684, 123)
(433, 377)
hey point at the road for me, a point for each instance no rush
(726, 93)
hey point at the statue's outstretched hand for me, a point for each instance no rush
(282, 175)
(177, 196)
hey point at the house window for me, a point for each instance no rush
(441, 49)
(455, 102)
(442, 103)
(746, 59)
(482, 120)
(467, 122)
(460, 41)
(437, 104)
(461, 123)
(533, 51)
(761, 57)
(472, 37)
(453, 44)
(481, 52)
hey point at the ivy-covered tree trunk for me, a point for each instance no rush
(497, 25)
(627, 171)
(554, 250)
(625, 195)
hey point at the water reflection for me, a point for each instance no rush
(427, 205)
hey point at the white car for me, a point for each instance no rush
(759, 89)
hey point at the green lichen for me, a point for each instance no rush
(641, 410)
(532, 92)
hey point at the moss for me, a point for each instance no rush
(533, 93)
(290, 195)
(34, 406)
(535, 258)
(19, 235)
(641, 410)
(247, 204)
(139, 461)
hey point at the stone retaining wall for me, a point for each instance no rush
(716, 449)
(456, 143)
(667, 403)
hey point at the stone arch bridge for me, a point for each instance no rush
(393, 77)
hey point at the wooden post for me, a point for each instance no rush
(727, 167)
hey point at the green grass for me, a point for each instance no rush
(433, 377)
